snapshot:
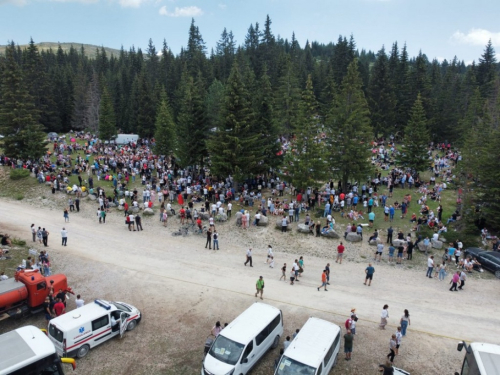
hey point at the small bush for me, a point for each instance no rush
(18, 242)
(18, 174)
(19, 197)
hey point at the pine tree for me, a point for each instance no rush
(91, 119)
(214, 103)
(266, 125)
(233, 148)
(23, 134)
(416, 140)
(165, 135)
(287, 98)
(349, 131)
(382, 99)
(305, 163)
(80, 98)
(107, 119)
(486, 71)
(145, 108)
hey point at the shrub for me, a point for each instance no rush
(18, 174)
(19, 197)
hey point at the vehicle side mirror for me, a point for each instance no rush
(460, 346)
(245, 360)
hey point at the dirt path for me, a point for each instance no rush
(183, 289)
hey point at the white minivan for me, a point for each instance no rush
(313, 351)
(244, 341)
(79, 330)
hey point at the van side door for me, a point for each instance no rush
(101, 330)
(248, 358)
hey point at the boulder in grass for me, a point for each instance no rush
(48, 183)
(120, 208)
(421, 246)
(135, 210)
(148, 212)
(141, 206)
(437, 244)
(221, 217)
(330, 234)
(353, 237)
(303, 228)
(204, 215)
(375, 242)
(398, 243)
(111, 205)
(264, 221)
(92, 197)
(278, 224)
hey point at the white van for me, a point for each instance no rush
(77, 331)
(244, 341)
(313, 351)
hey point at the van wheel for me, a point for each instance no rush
(276, 342)
(131, 325)
(82, 352)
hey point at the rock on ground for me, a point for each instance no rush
(149, 212)
(353, 237)
(437, 244)
(221, 217)
(330, 234)
(397, 243)
(120, 208)
(135, 210)
(303, 228)
(92, 197)
(264, 221)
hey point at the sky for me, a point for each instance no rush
(441, 29)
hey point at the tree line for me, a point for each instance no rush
(228, 106)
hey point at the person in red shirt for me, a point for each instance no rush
(59, 308)
(182, 212)
(340, 253)
(342, 196)
(198, 222)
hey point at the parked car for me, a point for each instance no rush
(490, 260)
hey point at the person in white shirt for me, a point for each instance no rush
(79, 302)
(430, 266)
(229, 207)
(3, 276)
(64, 235)
(399, 338)
(269, 254)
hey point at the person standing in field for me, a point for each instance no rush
(348, 341)
(283, 272)
(340, 253)
(405, 322)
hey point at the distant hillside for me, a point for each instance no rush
(89, 48)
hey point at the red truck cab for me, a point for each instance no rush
(26, 292)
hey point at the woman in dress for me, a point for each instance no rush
(383, 317)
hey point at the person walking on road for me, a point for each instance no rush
(323, 281)
(430, 266)
(405, 322)
(138, 222)
(454, 281)
(33, 232)
(383, 317)
(283, 272)
(249, 257)
(66, 215)
(348, 340)
(327, 268)
(64, 236)
(45, 237)
(462, 279)
(216, 240)
(260, 286)
(209, 239)
(369, 271)
(392, 348)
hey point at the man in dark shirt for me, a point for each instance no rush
(46, 309)
(138, 222)
(386, 369)
(348, 339)
(209, 239)
(61, 296)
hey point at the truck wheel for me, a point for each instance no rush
(131, 325)
(276, 342)
(82, 352)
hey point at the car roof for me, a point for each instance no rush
(21, 346)
(250, 323)
(312, 342)
(75, 318)
(475, 250)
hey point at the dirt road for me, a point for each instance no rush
(182, 289)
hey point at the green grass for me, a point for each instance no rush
(17, 252)
(19, 174)
(14, 188)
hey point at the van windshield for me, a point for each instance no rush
(288, 366)
(55, 333)
(121, 306)
(226, 350)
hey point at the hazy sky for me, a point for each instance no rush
(440, 28)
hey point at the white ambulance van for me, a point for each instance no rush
(313, 351)
(77, 331)
(240, 345)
